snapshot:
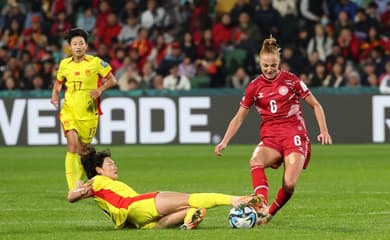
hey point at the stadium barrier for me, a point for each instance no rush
(188, 117)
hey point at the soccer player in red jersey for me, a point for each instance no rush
(127, 208)
(283, 135)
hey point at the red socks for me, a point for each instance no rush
(281, 198)
(260, 182)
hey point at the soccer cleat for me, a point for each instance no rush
(251, 200)
(194, 220)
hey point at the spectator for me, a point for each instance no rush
(117, 59)
(148, 73)
(290, 22)
(385, 20)
(239, 7)
(175, 57)
(131, 72)
(313, 12)
(343, 21)
(28, 75)
(349, 44)
(86, 20)
(174, 81)
(337, 6)
(110, 32)
(187, 68)
(158, 81)
(104, 10)
(246, 26)
(362, 24)
(60, 27)
(189, 47)
(384, 79)
(129, 31)
(320, 43)
(206, 41)
(153, 16)
(143, 47)
(212, 64)
(132, 84)
(11, 35)
(159, 51)
(13, 12)
(267, 18)
(130, 10)
(37, 82)
(373, 40)
(222, 32)
(10, 84)
(318, 77)
(368, 75)
(353, 80)
(336, 78)
(240, 79)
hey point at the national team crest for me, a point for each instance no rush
(283, 90)
(103, 63)
(88, 72)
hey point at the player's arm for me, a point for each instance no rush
(108, 82)
(82, 192)
(232, 129)
(324, 136)
(55, 94)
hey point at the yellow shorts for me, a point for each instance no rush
(143, 213)
(86, 129)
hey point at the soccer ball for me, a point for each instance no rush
(243, 217)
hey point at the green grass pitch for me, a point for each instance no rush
(344, 194)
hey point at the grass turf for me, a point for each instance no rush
(344, 194)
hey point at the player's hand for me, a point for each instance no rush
(87, 188)
(218, 149)
(95, 93)
(54, 101)
(324, 138)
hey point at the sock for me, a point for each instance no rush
(74, 171)
(282, 198)
(260, 182)
(209, 200)
(80, 169)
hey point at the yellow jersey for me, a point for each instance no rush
(79, 79)
(113, 197)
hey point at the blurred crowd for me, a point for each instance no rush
(188, 44)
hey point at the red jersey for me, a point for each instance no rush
(277, 102)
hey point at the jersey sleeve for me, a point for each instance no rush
(103, 67)
(301, 88)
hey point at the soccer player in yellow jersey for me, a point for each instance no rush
(127, 208)
(85, 78)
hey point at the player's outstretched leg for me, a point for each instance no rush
(252, 200)
(193, 218)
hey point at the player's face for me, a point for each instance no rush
(108, 169)
(78, 46)
(269, 64)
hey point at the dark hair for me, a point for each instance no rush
(77, 32)
(92, 159)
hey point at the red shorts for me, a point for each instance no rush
(289, 144)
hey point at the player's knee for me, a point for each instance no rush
(256, 161)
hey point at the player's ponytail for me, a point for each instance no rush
(270, 46)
